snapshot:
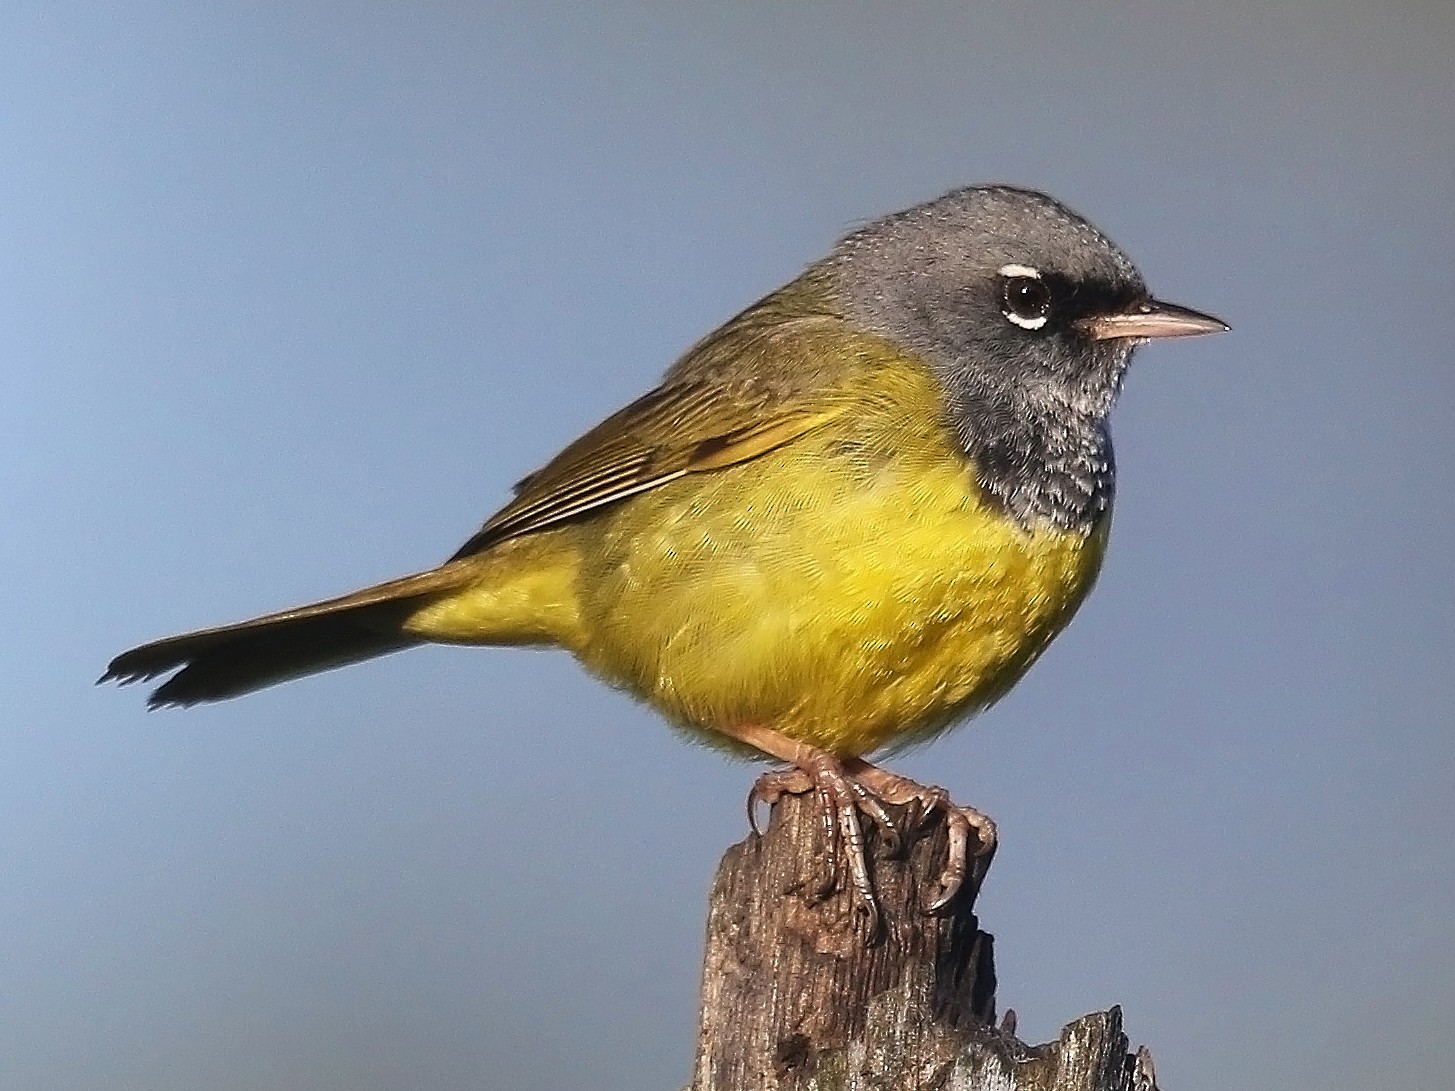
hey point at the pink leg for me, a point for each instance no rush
(900, 790)
(846, 786)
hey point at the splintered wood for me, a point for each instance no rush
(797, 997)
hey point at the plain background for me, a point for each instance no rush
(292, 294)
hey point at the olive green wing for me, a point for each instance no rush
(682, 427)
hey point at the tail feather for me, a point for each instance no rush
(235, 659)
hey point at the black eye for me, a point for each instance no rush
(1027, 301)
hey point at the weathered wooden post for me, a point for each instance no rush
(794, 999)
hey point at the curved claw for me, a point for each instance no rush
(756, 796)
(961, 820)
(828, 814)
(925, 801)
(840, 799)
(772, 786)
(846, 788)
(873, 922)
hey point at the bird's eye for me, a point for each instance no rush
(1027, 301)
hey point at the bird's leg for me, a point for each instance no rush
(840, 797)
(772, 786)
(899, 790)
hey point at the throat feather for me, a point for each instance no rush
(1041, 470)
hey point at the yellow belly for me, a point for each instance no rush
(850, 590)
(864, 618)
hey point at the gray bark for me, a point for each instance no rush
(795, 999)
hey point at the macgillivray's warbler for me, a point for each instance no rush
(849, 517)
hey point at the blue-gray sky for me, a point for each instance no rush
(291, 295)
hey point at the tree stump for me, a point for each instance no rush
(796, 996)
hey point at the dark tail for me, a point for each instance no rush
(235, 659)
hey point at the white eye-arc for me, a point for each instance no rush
(1026, 299)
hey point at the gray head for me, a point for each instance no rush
(1028, 315)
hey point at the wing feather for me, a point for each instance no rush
(645, 445)
(694, 422)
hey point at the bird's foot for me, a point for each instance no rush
(841, 797)
(897, 790)
(847, 787)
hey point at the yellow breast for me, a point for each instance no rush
(851, 590)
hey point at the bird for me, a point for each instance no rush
(844, 521)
